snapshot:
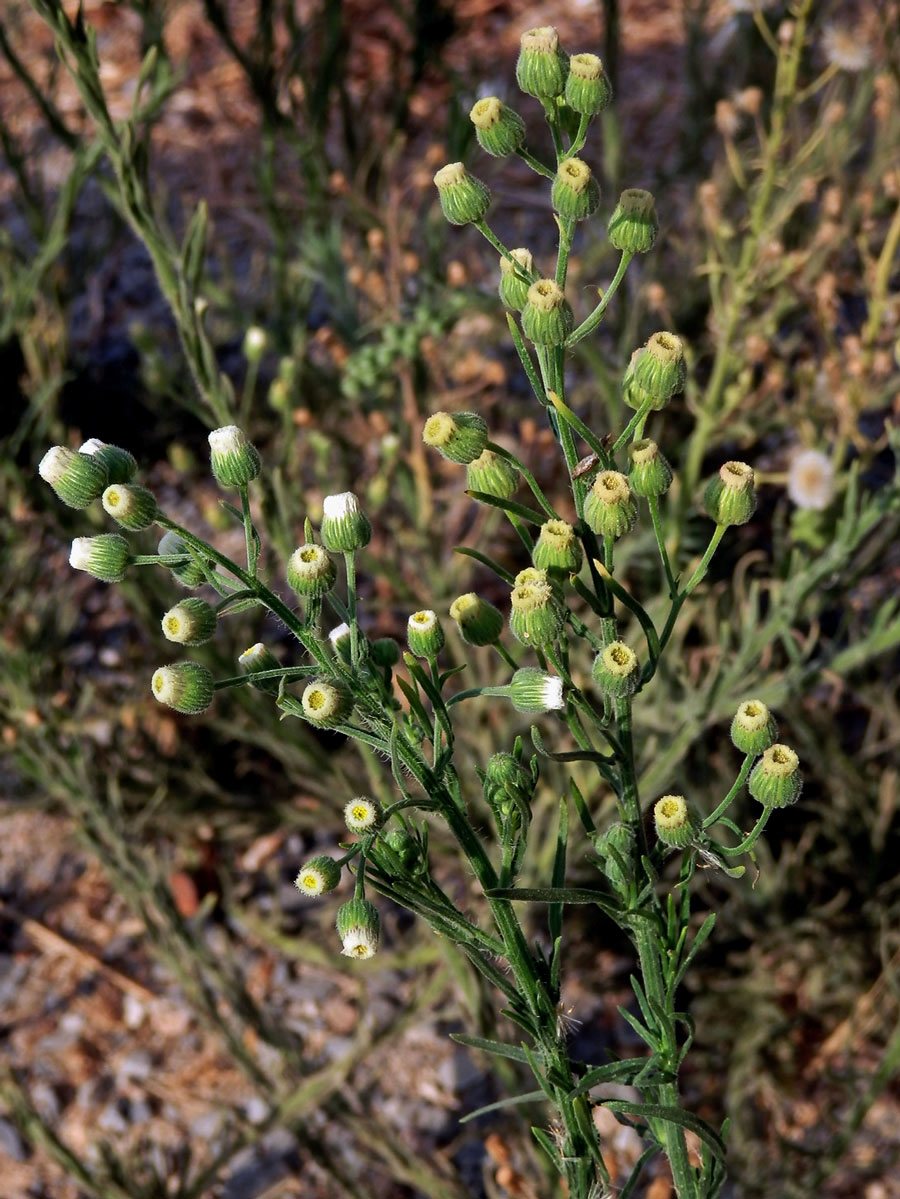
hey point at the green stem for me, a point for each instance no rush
(632, 427)
(590, 324)
(750, 840)
(732, 794)
(653, 502)
(535, 164)
(350, 566)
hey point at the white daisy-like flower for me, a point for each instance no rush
(845, 48)
(422, 622)
(254, 656)
(811, 481)
(361, 814)
(360, 943)
(338, 506)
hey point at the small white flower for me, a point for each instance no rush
(338, 506)
(846, 49)
(81, 555)
(338, 632)
(255, 340)
(311, 881)
(91, 446)
(227, 440)
(811, 480)
(553, 693)
(422, 622)
(165, 684)
(250, 657)
(361, 814)
(54, 465)
(360, 943)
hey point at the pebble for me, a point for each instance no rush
(133, 1011)
(256, 1110)
(112, 1119)
(134, 1067)
(46, 1101)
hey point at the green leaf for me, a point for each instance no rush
(553, 895)
(671, 1115)
(697, 944)
(498, 570)
(525, 358)
(642, 1032)
(580, 428)
(558, 878)
(573, 755)
(193, 250)
(414, 701)
(498, 1048)
(628, 1189)
(522, 511)
(546, 1144)
(624, 1071)
(528, 1097)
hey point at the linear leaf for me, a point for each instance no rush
(528, 1097)
(672, 1115)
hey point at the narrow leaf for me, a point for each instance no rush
(522, 511)
(671, 1115)
(500, 571)
(497, 1048)
(528, 1097)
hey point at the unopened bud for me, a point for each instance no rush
(255, 341)
(131, 507)
(319, 876)
(676, 822)
(499, 129)
(464, 199)
(105, 556)
(513, 288)
(616, 669)
(326, 704)
(345, 528)
(479, 622)
(776, 780)
(730, 497)
(185, 686)
(310, 571)
(753, 729)
(424, 634)
(650, 473)
(191, 622)
(532, 691)
(633, 225)
(358, 927)
(460, 437)
(609, 508)
(235, 462)
(660, 367)
(78, 479)
(576, 193)
(547, 318)
(255, 660)
(542, 66)
(190, 573)
(492, 474)
(557, 549)
(588, 90)
(121, 467)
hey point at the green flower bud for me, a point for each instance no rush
(105, 556)
(310, 571)
(730, 497)
(78, 479)
(460, 437)
(542, 66)
(424, 634)
(618, 864)
(576, 193)
(633, 395)
(649, 473)
(255, 342)
(464, 199)
(358, 927)
(121, 467)
(185, 686)
(547, 318)
(633, 225)
(776, 780)
(538, 615)
(608, 507)
(344, 527)
(660, 367)
(506, 774)
(191, 622)
(131, 507)
(319, 876)
(499, 129)
(588, 90)
(384, 652)
(406, 847)
(557, 549)
(617, 670)
(191, 573)
(326, 704)
(753, 729)
(479, 622)
(362, 815)
(235, 462)
(531, 690)
(341, 641)
(493, 475)
(257, 659)
(513, 288)
(676, 822)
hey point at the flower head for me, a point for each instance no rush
(811, 480)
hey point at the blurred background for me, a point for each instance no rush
(176, 1019)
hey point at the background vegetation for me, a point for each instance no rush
(176, 1019)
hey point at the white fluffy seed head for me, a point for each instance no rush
(811, 480)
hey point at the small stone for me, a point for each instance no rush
(11, 1143)
(256, 1110)
(112, 1119)
(135, 1067)
(133, 1011)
